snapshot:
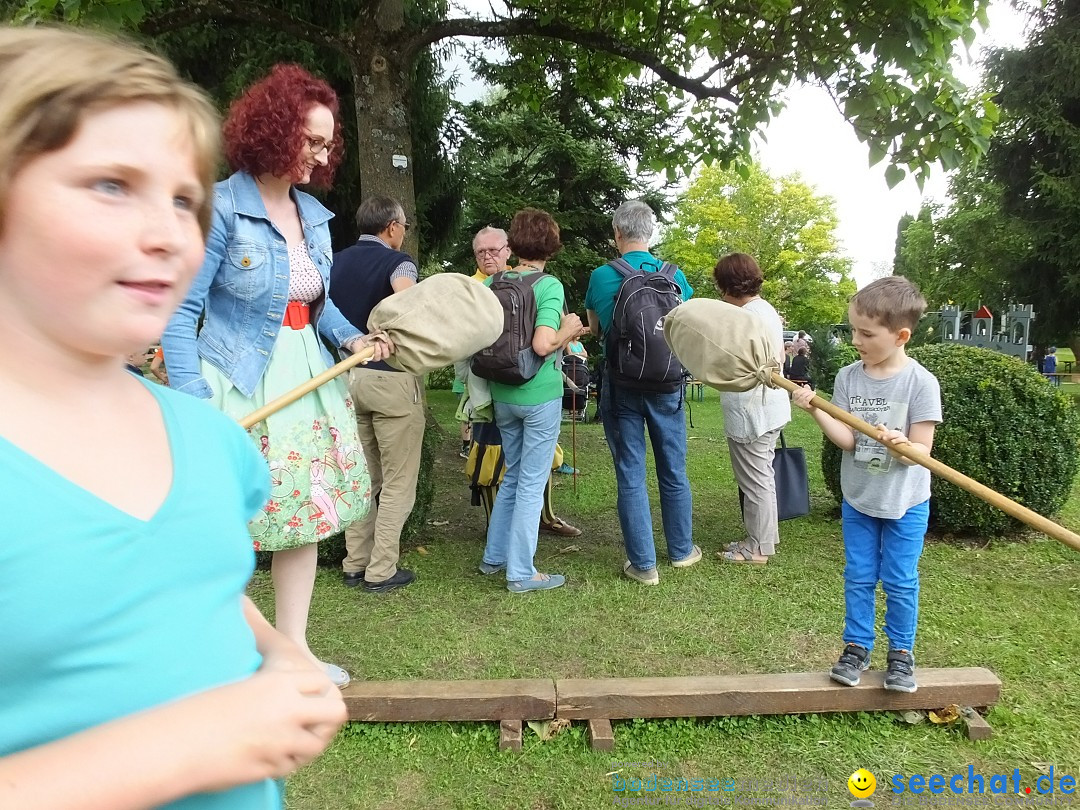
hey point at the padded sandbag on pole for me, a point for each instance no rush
(443, 319)
(730, 349)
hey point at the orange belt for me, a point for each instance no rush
(297, 315)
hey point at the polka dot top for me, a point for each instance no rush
(305, 282)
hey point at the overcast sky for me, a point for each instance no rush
(812, 138)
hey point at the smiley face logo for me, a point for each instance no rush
(862, 784)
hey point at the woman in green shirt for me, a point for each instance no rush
(528, 415)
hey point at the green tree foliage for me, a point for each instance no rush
(716, 70)
(1010, 234)
(1005, 426)
(561, 158)
(782, 223)
(964, 253)
(225, 58)
(832, 350)
(1036, 160)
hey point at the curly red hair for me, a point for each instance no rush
(264, 130)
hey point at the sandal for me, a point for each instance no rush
(735, 545)
(741, 554)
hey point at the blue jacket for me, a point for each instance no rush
(243, 287)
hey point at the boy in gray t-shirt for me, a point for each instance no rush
(886, 503)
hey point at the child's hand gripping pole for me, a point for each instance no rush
(995, 499)
(290, 397)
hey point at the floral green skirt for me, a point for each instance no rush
(318, 477)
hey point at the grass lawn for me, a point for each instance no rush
(1008, 606)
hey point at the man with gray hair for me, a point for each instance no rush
(628, 410)
(492, 251)
(389, 403)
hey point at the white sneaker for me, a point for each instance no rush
(650, 577)
(336, 674)
(686, 562)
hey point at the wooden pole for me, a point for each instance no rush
(995, 499)
(290, 397)
(573, 434)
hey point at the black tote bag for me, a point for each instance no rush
(792, 483)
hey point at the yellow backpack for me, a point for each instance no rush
(485, 465)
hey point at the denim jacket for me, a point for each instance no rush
(243, 287)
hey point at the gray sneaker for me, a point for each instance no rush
(650, 577)
(854, 660)
(542, 582)
(900, 676)
(693, 557)
(487, 569)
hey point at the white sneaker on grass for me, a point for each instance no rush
(336, 674)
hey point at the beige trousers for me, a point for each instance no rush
(752, 464)
(390, 420)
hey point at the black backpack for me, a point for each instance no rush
(638, 356)
(511, 359)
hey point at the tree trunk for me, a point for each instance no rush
(1074, 344)
(383, 120)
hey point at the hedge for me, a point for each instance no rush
(1005, 426)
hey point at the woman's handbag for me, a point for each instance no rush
(792, 483)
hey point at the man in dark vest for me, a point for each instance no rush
(389, 403)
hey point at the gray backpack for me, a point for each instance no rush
(510, 359)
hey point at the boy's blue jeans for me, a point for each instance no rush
(626, 414)
(529, 436)
(887, 550)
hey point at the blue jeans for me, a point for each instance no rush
(626, 414)
(529, 435)
(889, 550)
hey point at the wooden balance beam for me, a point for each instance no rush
(602, 700)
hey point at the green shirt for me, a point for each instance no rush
(548, 383)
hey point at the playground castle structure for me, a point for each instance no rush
(977, 329)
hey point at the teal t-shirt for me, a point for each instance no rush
(104, 615)
(605, 281)
(547, 384)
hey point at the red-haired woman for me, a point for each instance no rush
(261, 292)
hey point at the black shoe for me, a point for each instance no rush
(900, 676)
(352, 579)
(399, 580)
(854, 660)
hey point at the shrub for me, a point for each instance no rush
(827, 356)
(440, 380)
(1004, 426)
